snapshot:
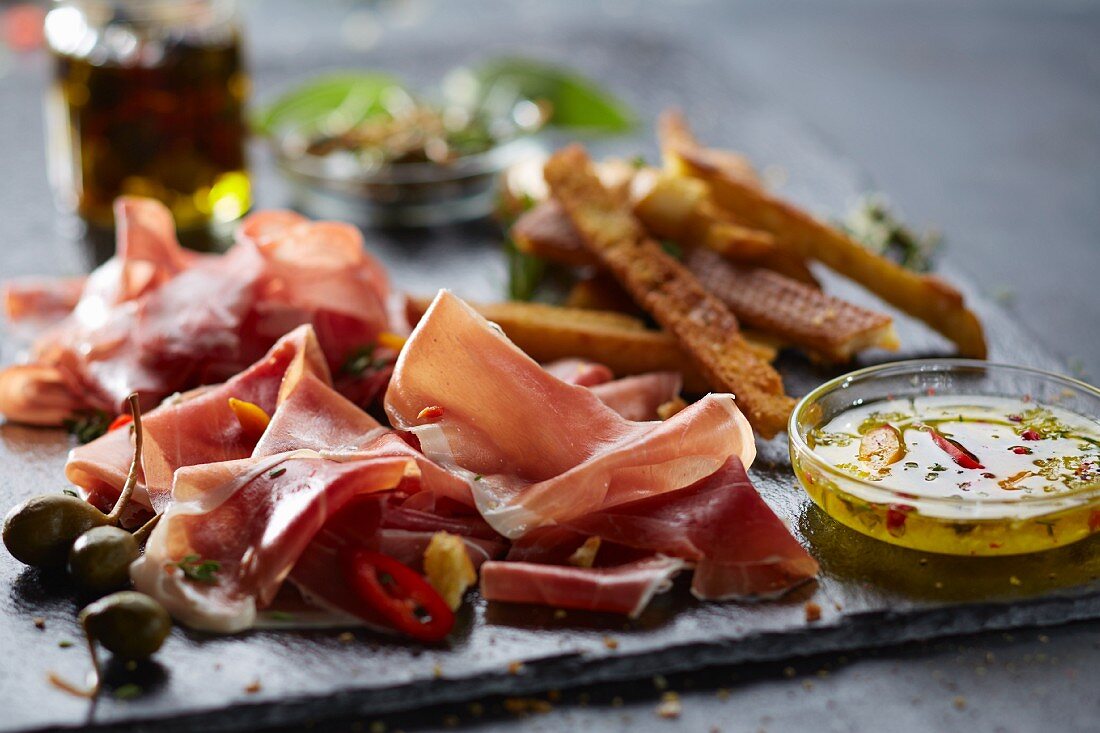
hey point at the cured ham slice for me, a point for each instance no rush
(157, 319)
(739, 548)
(320, 269)
(625, 589)
(43, 300)
(547, 452)
(637, 398)
(36, 394)
(196, 428)
(254, 518)
(580, 371)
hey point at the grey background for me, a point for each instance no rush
(980, 118)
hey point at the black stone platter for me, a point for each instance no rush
(871, 594)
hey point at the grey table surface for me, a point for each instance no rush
(982, 119)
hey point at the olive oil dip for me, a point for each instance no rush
(962, 474)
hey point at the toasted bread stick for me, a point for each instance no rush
(827, 327)
(677, 140)
(923, 296)
(703, 325)
(680, 208)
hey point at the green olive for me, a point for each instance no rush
(40, 530)
(129, 624)
(99, 560)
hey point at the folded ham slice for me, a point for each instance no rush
(157, 319)
(635, 398)
(739, 548)
(580, 371)
(638, 397)
(546, 451)
(254, 518)
(195, 428)
(625, 589)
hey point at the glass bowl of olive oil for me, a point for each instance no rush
(953, 456)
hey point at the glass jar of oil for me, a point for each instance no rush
(148, 100)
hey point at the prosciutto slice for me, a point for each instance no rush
(254, 518)
(157, 319)
(580, 371)
(635, 398)
(625, 589)
(638, 397)
(195, 428)
(739, 548)
(547, 451)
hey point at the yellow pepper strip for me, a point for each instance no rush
(252, 417)
(392, 341)
(448, 568)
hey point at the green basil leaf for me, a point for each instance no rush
(345, 98)
(576, 102)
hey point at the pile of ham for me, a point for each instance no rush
(554, 496)
(157, 319)
(555, 484)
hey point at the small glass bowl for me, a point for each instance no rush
(401, 194)
(975, 527)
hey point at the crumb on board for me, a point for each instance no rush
(813, 612)
(959, 702)
(515, 667)
(39, 622)
(437, 670)
(611, 642)
(670, 706)
(526, 705)
(253, 687)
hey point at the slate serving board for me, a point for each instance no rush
(871, 594)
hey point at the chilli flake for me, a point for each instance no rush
(431, 413)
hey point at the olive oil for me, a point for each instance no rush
(147, 109)
(971, 475)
